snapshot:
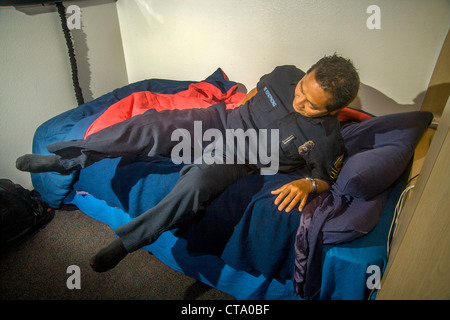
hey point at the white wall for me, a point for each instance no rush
(35, 74)
(189, 39)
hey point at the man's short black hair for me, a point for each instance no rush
(338, 76)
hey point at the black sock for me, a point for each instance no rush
(37, 163)
(108, 257)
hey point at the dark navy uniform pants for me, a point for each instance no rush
(149, 135)
(197, 186)
(146, 135)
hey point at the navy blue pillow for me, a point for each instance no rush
(378, 151)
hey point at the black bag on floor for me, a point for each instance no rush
(21, 212)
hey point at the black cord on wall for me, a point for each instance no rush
(73, 62)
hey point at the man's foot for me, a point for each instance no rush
(108, 257)
(37, 163)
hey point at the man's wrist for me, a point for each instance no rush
(314, 184)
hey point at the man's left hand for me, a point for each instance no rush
(293, 193)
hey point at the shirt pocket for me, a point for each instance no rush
(289, 146)
(266, 110)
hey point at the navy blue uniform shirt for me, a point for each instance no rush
(314, 142)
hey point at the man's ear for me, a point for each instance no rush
(335, 112)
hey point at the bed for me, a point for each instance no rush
(242, 245)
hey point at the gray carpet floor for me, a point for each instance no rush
(35, 268)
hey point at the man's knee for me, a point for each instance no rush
(212, 179)
(199, 177)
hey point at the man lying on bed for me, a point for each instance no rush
(301, 107)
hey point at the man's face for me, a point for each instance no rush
(310, 99)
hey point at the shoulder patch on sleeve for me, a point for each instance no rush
(306, 147)
(336, 167)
